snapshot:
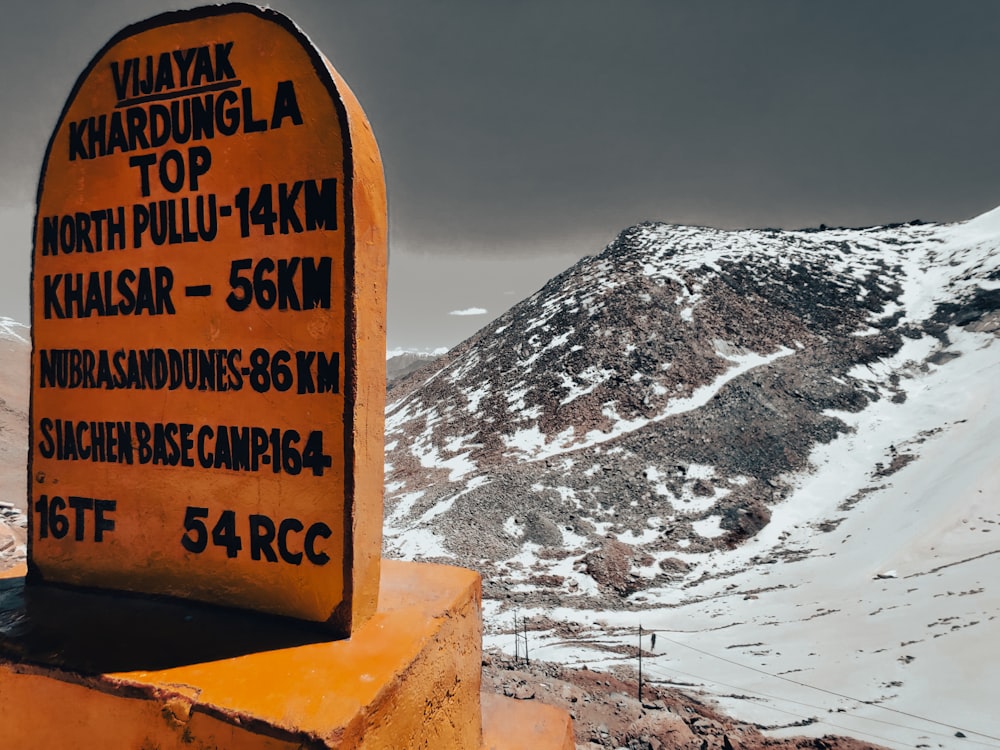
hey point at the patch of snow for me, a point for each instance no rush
(444, 505)
(647, 536)
(475, 396)
(511, 528)
(590, 378)
(700, 471)
(403, 506)
(529, 414)
(457, 466)
(709, 528)
(419, 543)
(515, 396)
(913, 352)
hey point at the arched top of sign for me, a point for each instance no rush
(321, 66)
(208, 305)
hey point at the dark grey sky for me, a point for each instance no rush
(520, 135)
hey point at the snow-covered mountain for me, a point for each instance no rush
(777, 448)
(15, 352)
(400, 362)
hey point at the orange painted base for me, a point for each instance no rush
(97, 670)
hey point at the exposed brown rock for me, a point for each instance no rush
(611, 567)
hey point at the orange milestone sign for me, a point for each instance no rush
(208, 320)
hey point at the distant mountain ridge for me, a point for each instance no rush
(13, 330)
(399, 364)
(667, 393)
(15, 351)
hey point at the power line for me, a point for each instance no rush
(850, 730)
(648, 668)
(661, 672)
(830, 692)
(919, 730)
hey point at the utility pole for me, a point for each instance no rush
(640, 663)
(517, 641)
(524, 624)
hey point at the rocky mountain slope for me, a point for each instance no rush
(774, 449)
(667, 392)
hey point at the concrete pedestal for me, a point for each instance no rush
(96, 670)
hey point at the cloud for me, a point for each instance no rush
(469, 311)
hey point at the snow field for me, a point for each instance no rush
(884, 628)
